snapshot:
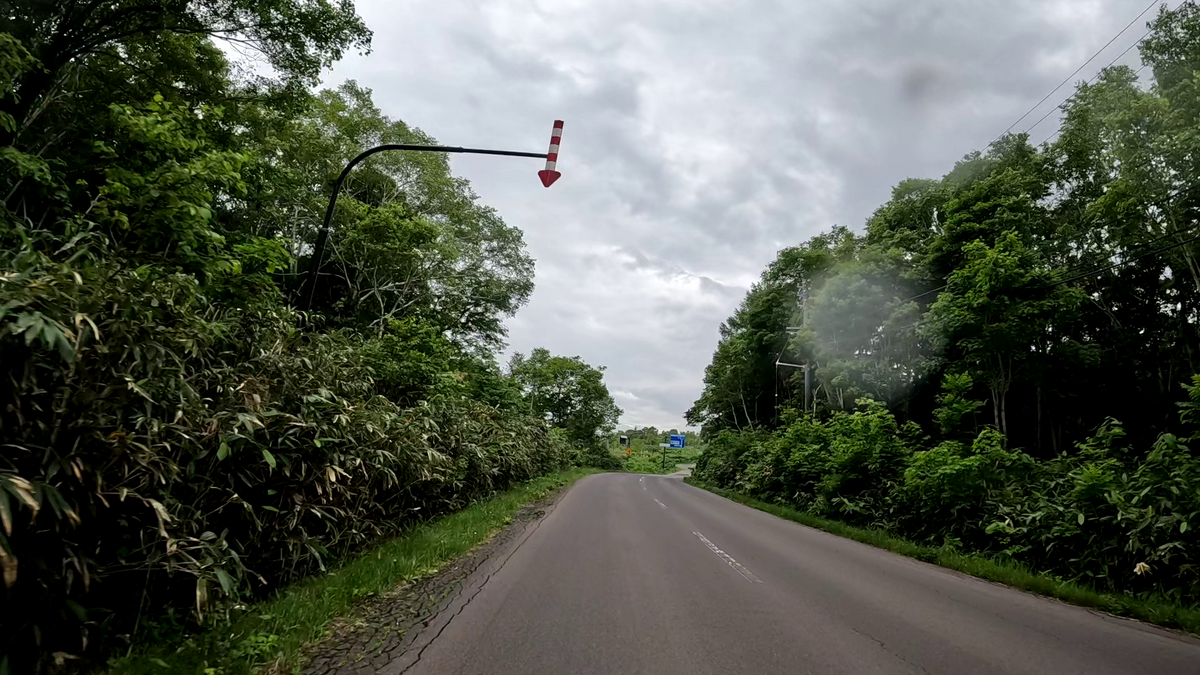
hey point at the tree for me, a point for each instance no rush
(409, 238)
(863, 337)
(996, 310)
(1064, 281)
(567, 392)
(158, 207)
(742, 384)
(298, 39)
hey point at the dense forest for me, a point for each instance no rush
(1005, 360)
(178, 439)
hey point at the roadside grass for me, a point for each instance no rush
(271, 634)
(1160, 611)
(647, 459)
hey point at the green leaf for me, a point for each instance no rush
(225, 580)
(76, 609)
(1081, 519)
(1183, 527)
(5, 512)
(223, 451)
(269, 457)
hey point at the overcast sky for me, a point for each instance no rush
(702, 136)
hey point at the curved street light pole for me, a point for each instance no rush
(314, 266)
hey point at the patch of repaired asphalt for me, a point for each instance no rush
(384, 628)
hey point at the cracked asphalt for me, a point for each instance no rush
(644, 574)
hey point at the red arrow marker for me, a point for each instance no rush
(549, 175)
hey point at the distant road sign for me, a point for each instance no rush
(678, 440)
(665, 445)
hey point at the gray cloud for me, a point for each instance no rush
(704, 135)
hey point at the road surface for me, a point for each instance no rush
(644, 574)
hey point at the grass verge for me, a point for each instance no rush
(1158, 611)
(274, 631)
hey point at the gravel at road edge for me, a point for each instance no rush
(387, 628)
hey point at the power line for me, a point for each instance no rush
(1136, 247)
(921, 295)
(1090, 80)
(1090, 273)
(1047, 115)
(1084, 275)
(1055, 134)
(1077, 267)
(1122, 263)
(1139, 42)
(1068, 78)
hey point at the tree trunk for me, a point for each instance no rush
(1038, 442)
(995, 406)
(1004, 412)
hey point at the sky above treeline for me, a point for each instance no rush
(702, 136)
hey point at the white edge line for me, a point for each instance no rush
(737, 566)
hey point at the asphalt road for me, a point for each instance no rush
(632, 574)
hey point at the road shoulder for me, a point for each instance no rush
(1183, 621)
(387, 633)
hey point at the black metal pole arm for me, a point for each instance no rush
(310, 285)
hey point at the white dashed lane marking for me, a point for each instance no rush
(741, 569)
(660, 503)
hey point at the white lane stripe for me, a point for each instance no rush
(660, 503)
(741, 569)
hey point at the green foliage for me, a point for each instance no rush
(646, 455)
(177, 441)
(740, 383)
(275, 631)
(957, 408)
(1161, 611)
(984, 321)
(1104, 515)
(201, 454)
(567, 392)
(1061, 280)
(409, 238)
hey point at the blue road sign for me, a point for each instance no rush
(678, 440)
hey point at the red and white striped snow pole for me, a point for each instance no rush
(549, 175)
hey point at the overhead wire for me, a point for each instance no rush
(1060, 86)
(1094, 271)
(1138, 43)
(1084, 275)
(1091, 272)
(1135, 248)
(1057, 132)
(1122, 263)
(1090, 80)
(1068, 78)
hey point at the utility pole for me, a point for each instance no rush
(803, 300)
